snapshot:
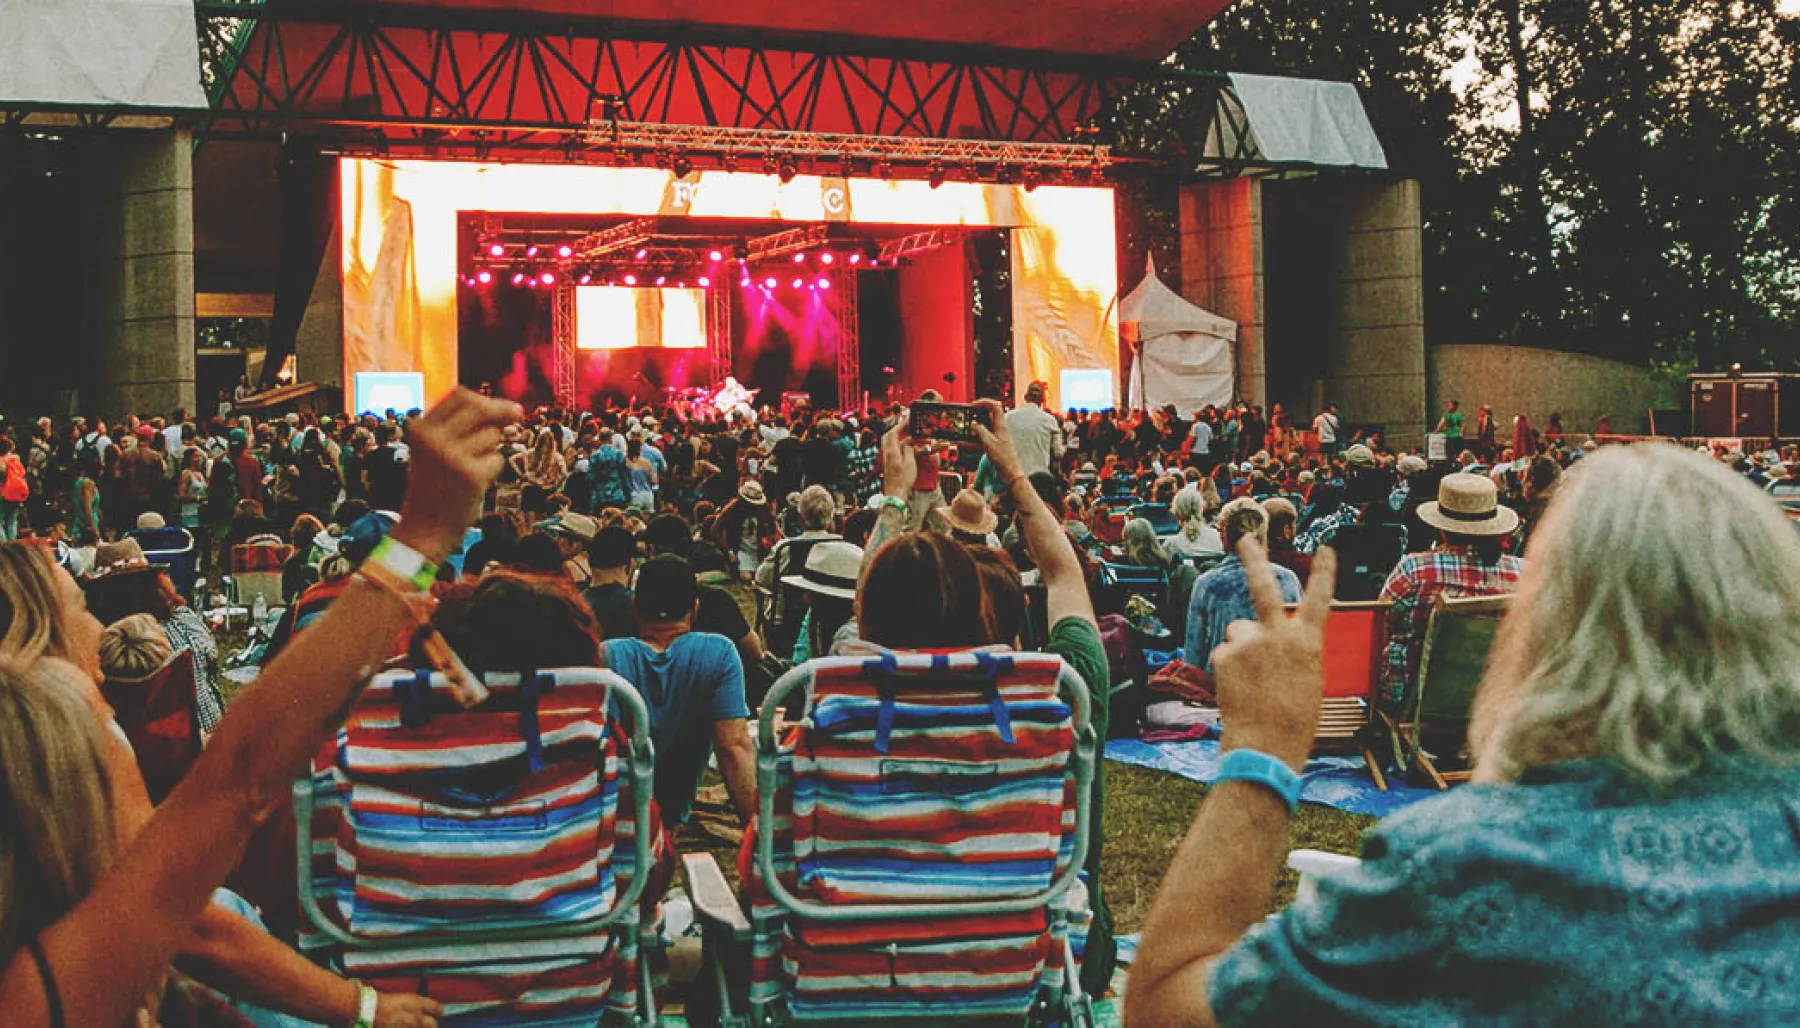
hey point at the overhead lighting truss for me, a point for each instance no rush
(842, 154)
(780, 244)
(894, 250)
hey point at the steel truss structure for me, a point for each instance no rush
(718, 336)
(478, 84)
(562, 345)
(849, 361)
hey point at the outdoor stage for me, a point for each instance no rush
(580, 284)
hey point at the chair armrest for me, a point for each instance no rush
(711, 894)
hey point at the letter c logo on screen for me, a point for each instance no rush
(836, 200)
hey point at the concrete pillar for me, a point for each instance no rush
(144, 327)
(1375, 368)
(319, 346)
(1222, 268)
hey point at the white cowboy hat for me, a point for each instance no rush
(1468, 505)
(831, 569)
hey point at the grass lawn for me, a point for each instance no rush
(1148, 813)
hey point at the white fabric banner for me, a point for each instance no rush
(131, 53)
(1187, 369)
(1309, 122)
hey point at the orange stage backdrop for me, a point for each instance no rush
(400, 271)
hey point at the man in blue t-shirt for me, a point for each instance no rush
(693, 684)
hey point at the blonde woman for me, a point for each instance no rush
(1628, 853)
(96, 961)
(543, 470)
(1196, 537)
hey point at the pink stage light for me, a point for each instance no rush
(660, 279)
(827, 257)
(518, 278)
(824, 283)
(585, 279)
(745, 280)
(497, 250)
(531, 251)
(705, 283)
(641, 254)
(565, 252)
(484, 277)
(715, 256)
(796, 283)
(799, 258)
(631, 280)
(547, 279)
(856, 258)
(769, 283)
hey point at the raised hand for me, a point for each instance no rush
(1270, 672)
(455, 457)
(899, 462)
(997, 442)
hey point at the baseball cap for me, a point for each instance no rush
(665, 590)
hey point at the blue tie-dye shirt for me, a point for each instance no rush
(1581, 896)
(1220, 597)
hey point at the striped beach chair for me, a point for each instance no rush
(494, 859)
(917, 847)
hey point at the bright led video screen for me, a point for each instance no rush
(627, 317)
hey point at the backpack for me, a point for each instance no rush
(15, 489)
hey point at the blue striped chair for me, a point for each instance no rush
(917, 848)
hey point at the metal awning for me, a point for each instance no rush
(120, 55)
(1145, 30)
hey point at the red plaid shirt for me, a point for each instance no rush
(1452, 571)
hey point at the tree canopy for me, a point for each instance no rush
(1616, 177)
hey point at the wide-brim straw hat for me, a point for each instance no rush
(752, 492)
(969, 513)
(1468, 505)
(831, 569)
(116, 560)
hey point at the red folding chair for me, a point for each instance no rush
(1355, 636)
(157, 714)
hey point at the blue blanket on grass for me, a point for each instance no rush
(1341, 782)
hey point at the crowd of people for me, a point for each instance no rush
(700, 557)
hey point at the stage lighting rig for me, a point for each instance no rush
(935, 174)
(787, 170)
(682, 166)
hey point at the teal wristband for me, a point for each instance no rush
(1261, 769)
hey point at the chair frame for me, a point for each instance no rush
(641, 766)
(1407, 735)
(1350, 722)
(711, 897)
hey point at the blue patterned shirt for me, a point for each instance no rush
(1319, 533)
(1579, 896)
(1220, 597)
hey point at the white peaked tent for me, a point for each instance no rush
(1183, 354)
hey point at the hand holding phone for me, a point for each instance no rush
(955, 422)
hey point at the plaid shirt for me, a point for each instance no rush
(860, 468)
(1319, 533)
(1452, 571)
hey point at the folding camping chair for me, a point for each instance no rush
(1451, 662)
(172, 549)
(1366, 556)
(157, 715)
(1161, 518)
(256, 572)
(1119, 581)
(1355, 635)
(1109, 524)
(917, 847)
(493, 857)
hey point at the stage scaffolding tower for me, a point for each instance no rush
(562, 335)
(849, 365)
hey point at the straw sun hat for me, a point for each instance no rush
(969, 513)
(1468, 505)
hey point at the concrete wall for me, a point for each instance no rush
(143, 357)
(1375, 364)
(1222, 267)
(1517, 380)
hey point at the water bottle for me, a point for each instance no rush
(258, 609)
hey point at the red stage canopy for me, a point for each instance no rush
(1137, 29)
